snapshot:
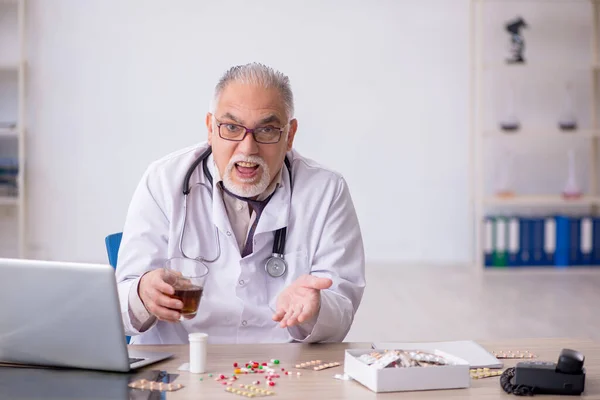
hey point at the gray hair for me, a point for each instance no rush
(257, 74)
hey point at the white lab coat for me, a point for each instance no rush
(239, 299)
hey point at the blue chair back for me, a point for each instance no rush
(112, 247)
(113, 242)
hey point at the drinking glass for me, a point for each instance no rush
(187, 276)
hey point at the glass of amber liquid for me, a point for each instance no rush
(187, 276)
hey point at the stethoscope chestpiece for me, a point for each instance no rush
(276, 265)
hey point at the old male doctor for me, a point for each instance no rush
(251, 129)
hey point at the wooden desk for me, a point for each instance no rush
(322, 385)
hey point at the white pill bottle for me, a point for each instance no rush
(198, 345)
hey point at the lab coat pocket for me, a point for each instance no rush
(297, 265)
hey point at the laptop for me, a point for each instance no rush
(64, 384)
(64, 314)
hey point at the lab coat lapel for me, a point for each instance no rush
(218, 206)
(276, 213)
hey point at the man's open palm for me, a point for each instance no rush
(300, 301)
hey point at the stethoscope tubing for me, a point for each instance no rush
(280, 234)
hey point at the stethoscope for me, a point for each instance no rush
(276, 265)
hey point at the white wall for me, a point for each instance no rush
(114, 85)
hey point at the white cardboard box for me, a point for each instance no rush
(408, 379)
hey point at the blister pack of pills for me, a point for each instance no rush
(402, 359)
(145, 384)
(317, 365)
(480, 373)
(513, 354)
(388, 359)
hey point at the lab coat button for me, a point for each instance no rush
(228, 233)
(241, 282)
(244, 323)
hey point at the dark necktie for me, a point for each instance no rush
(257, 207)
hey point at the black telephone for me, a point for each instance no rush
(565, 377)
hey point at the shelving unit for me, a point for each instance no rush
(482, 134)
(12, 139)
(542, 201)
(9, 132)
(580, 134)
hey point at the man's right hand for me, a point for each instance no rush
(155, 294)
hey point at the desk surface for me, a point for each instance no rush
(322, 385)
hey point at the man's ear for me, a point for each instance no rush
(292, 133)
(209, 127)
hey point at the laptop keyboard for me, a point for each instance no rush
(134, 360)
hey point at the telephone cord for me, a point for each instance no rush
(509, 387)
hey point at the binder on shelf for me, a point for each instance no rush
(596, 241)
(537, 230)
(586, 241)
(561, 257)
(513, 249)
(574, 241)
(499, 240)
(526, 241)
(488, 241)
(549, 240)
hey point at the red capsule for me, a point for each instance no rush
(235, 365)
(271, 383)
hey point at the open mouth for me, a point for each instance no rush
(246, 169)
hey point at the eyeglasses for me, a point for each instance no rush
(237, 133)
